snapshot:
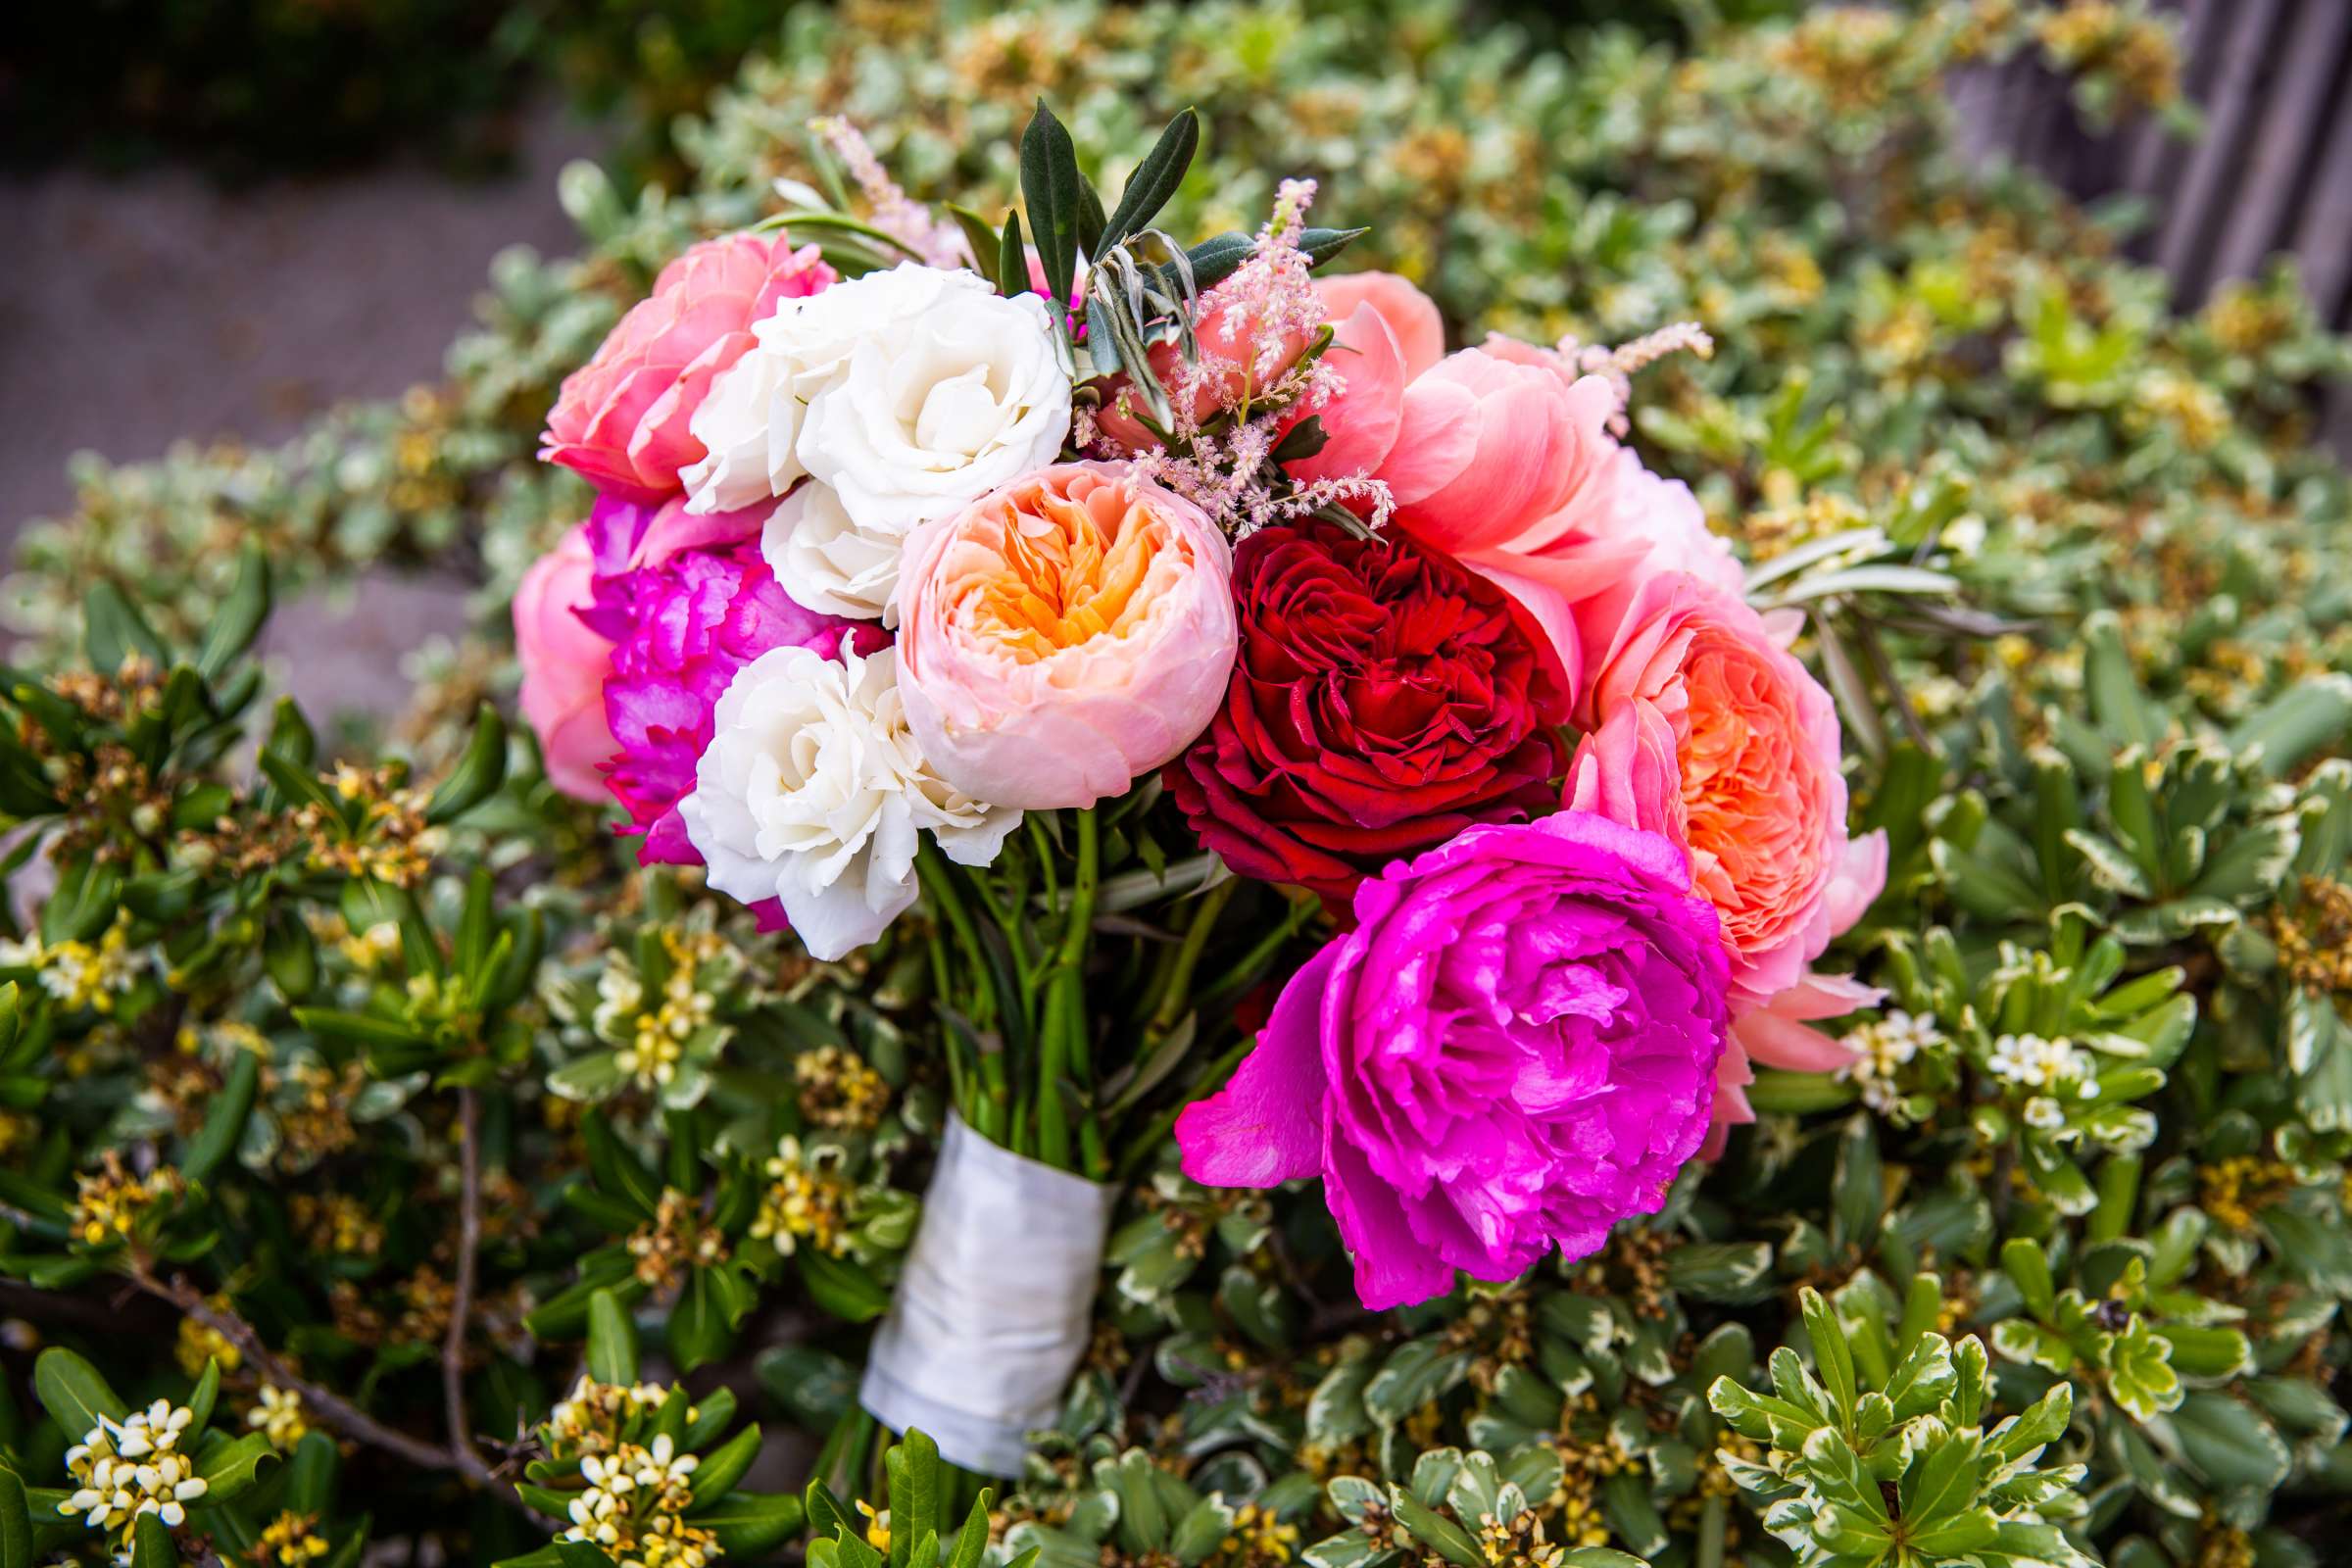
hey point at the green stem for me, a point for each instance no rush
(1171, 987)
(1261, 953)
(1062, 1034)
(938, 880)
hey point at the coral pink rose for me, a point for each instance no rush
(622, 420)
(1713, 779)
(1063, 634)
(563, 666)
(1757, 752)
(1411, 315)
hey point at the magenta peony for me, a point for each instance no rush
(1516, 1048)
(687, 600)
(622, 420)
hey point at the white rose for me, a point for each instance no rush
(812, 791)
(909, 393)
(828, 563)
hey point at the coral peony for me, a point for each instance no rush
(623, 419)
(1065, 634)
(1383, 700)
(1411, 315)
(1514, 1050)
(687, 600)
(563, 665)
(1757, 783)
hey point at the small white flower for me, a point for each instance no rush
(812, 791)
(2043, 1111)
(2033, 1063)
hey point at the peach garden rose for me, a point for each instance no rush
(1065, 634)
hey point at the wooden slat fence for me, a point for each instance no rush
(2272, 173)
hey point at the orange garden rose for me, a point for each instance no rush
(1065, 634)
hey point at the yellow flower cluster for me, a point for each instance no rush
(291, 1541)
(79, 974)
(839, 1091)
(634, 1507)
(122, 1469)
(278, 1416)
(807, 1199)
(108, 1205)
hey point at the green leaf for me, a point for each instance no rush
(725, 1465)
(230, 1466)
(1831, 1352)
(1049, 188)
(1434, 1530)
(2028, 1271)
(225, 1122)
(1154, 180)
(700, 1326)
(239, 618)
(1012, 259)
(151, 1542)
(972, 1541)
(478, 774)
(842, 1286)
(113, 631)
(74, 1392)
(612, 1341)
(83, 904)
(2228, 1443)
(15, 1523)
(980, 235)
(913, 1470)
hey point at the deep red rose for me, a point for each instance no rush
(1383, 700)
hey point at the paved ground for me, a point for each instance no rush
(145, 309)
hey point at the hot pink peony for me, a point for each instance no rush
(563, 665)
(1062, 635)
(687, 600)
(1514, 1050)
(621, 418)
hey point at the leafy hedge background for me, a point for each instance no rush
(278, 1034)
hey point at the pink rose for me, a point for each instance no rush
(622, 420)
(563, 666)
(1062, 635)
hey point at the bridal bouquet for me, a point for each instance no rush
(1139, 612)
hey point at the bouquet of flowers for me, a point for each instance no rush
(1117, 615)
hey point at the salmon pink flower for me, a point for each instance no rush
(1065, 634)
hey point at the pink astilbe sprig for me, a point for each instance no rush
(934, 242)
(1256, 374)
(1617, 365)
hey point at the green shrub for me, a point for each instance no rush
(365, 1094)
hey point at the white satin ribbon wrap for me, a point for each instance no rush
(995, 1305)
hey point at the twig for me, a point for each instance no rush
(460, 1306)
(333, 1408)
